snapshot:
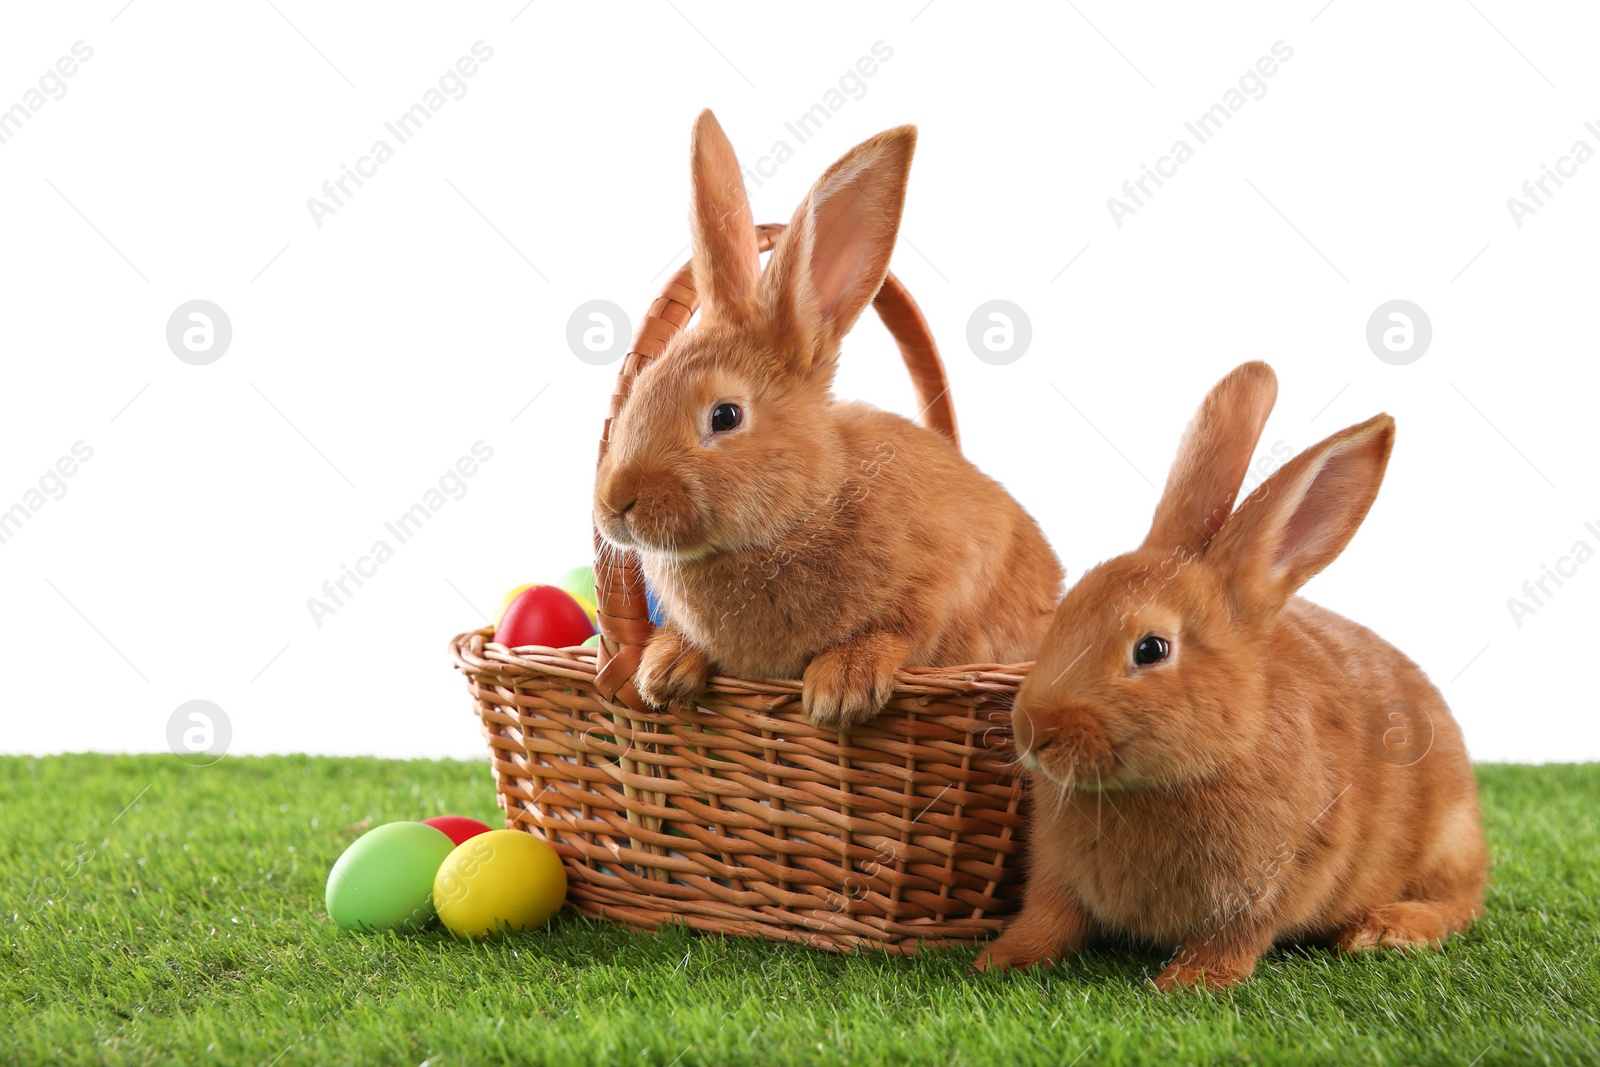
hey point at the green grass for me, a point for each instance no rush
(189, 928)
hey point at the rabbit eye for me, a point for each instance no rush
(1151, 649)
(725, 417)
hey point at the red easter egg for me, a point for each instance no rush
(457, 828)
(544, 615)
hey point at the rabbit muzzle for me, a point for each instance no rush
(1066, 744)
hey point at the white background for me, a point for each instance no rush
(368, 354)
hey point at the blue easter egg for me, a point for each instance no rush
(657, 615)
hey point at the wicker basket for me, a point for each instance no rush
(737, 816)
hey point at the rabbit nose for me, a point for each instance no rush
(619, 495)
(1021, 729)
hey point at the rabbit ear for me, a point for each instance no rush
(727, 266)
(833, 257)
(1302, 517)
(1213, 459)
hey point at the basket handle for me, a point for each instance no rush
(624, 616)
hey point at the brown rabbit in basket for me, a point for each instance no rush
(787, 533)
(1219, 765)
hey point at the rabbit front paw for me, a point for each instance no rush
(1206, 967)
(848, 685)
(1007, 955)
(672, 673)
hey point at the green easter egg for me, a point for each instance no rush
(384, 880)
(580, 583)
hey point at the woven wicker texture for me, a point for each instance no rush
(737, 816)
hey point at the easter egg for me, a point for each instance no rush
(588, 609)
(586, 603)
(384, 880)
(658, 614)
(579, 581)
(505, 601)
(578, 584)
(504, 880)
(457, 827)
(543, 615)
(593, 642)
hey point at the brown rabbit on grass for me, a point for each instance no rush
(787, 533)
(1209, 753)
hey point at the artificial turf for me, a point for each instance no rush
(155, 912)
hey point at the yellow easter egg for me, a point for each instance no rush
(584, 602)
(505, 601)
(498, 882)
(588, 608)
